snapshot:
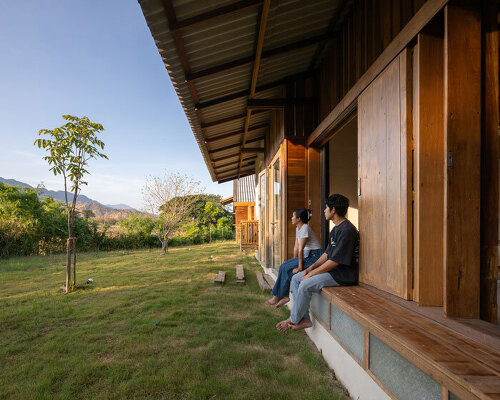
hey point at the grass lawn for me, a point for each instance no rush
(209, 342)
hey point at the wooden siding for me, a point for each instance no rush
(295, 170)
(489, 164)
(429, 169)
(463, 144)
(313, 190)
(382, 209)
(362, 37)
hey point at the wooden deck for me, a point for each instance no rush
(462, 355)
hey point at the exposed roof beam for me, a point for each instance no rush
(257, 139)
(218, 12)
(244, 93)
(272, 104)
(234, 168)
(265, 54)
(250, 150)
(245, 172)
(237, 133)
(255, 72)
(251, 158)
(227, 119)
(236, 176)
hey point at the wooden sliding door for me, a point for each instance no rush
(383, 180)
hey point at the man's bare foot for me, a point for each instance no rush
(283, 326)
(272, 301)
(282, 302)
(303, 324)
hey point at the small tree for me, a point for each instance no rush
(69, 149)
(170, 199)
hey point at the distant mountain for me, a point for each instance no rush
(119, 207)
(59, 195)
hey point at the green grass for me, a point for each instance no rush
(210, 342)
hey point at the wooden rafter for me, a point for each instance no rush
(272, 104)
(218, 12)
(255, 72)
(225, 120)
(236, 176)
(235, 162)
(244, 93)
(231, 146)
(247, 60)
(227, 157)
(252, 150)
(220, 170)
(236, 133)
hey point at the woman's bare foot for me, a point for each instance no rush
(282, 302)
(272, 301)
(283, 326)
(304, 323)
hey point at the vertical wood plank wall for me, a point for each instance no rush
(383, 261)
(295, 188)
(462, 66)
(361, 38)
(313, 189)
(429, 170)
(489, 165)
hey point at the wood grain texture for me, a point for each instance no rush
(377, 61)
(381, 205)
(313, 191)
(295, 171)
(462, 69)
(429, 171)
(489, 165)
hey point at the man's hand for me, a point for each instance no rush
(296, 270)
(305, 275)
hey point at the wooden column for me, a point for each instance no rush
(462, 68)
(489, 164)
(429, 169)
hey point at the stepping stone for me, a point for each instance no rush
(220, 278)
(262, 282)
(240, 274)
(269, 280)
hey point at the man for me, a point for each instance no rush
(338, 266)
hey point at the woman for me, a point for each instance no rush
(306, 251)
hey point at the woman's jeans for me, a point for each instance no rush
(282, 286)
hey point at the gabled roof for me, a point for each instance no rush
(220, 53)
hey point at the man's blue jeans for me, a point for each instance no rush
(282, 286)
(303, 291)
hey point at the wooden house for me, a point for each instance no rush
(393, 103)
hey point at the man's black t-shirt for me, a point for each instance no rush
(344, 249)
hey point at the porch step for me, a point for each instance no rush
(240, 274)
(263, 282)
(220, 278)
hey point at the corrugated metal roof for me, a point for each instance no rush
(295, 28)
(244, 189)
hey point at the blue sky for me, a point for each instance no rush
(95, 58)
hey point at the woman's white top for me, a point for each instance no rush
(306, 232)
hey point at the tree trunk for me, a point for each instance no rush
(210, 230)
(74, 262)
(68, 252)
(222, 232)
(164, 246)
(68, 263)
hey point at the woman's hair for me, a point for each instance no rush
(339, 202)
(303, 214)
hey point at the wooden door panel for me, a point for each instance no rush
(380, 168)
